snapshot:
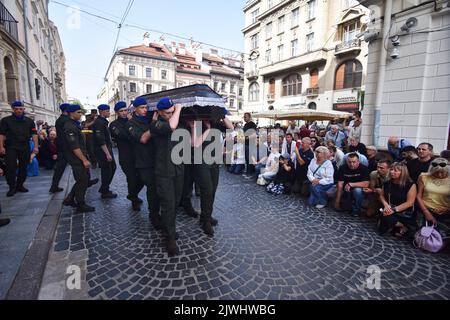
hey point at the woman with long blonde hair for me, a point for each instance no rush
(398, 197)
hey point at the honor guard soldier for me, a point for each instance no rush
(103, 151)
(89, 134)
(127, 157)
(169, 176)
(139, 129)
(15, 133)
(76, 155)
(207, 175)
(61, 162)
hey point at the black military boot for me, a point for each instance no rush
(84, 208)
(136, 206)
(69, 202)
(11, 193)
(55, 190)
(191, 212)
(213, 221)
(137, 199)
(4, 222)
(93, 183)
(172, 248)
(208, 229)
(22, 189)
(109, 195)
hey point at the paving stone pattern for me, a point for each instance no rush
(266, 247)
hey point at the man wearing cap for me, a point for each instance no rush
(76, 155)
(15, 133)
(169, 176)
(144, 150)
(61, 162)
(127, 157)
(103, 151)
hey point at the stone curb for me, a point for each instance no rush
(27, 282)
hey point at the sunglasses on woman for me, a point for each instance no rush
(442, 164)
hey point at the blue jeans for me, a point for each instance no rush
(258, 168)
(236, 168)
(269, 176)
(355, 197)
(319, 194)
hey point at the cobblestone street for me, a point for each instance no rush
(265, 247)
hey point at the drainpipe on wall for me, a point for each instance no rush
(24, 13)
(382, 72)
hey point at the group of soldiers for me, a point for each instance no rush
(144, 144)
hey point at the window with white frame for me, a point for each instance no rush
(232, 103)
(148, 88)
(295, 16)
(269, 30)
(269, 56)
(163, 88)
(312, 9)
(132, 70)
(254, 41)
(148, 72)
(310, 42)
(255, 15)
(133, 87)
(280, 52)
(232, 87)
(294, 47)
(350, 31)
(254, 65)
(280, 24)
(223, 87)
(164, 75)
(253, 92)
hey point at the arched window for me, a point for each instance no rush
(314, 78)
(292, 85)
(253, 92)
(312, 106)
(348, 75)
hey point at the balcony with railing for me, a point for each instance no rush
(8, 23)
(312, 92)
(271, 97)
(347, 47)
(252, 74)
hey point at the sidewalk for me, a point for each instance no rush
(25, 242)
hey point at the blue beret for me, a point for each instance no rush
(64, 107)
(164, 104)
(103, 107)
(120, 105)
(17, 104)
(139, 102)
(73, 108)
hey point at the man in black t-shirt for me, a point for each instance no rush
(353, 177)
(421, 165)
(250, 138)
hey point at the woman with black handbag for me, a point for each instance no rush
(398, 197)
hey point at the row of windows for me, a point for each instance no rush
(294, 49)
(223, 87)
(348, 75)
(148, 88)
(148, 72)
(294, 17)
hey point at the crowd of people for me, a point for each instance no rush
(402, 187)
